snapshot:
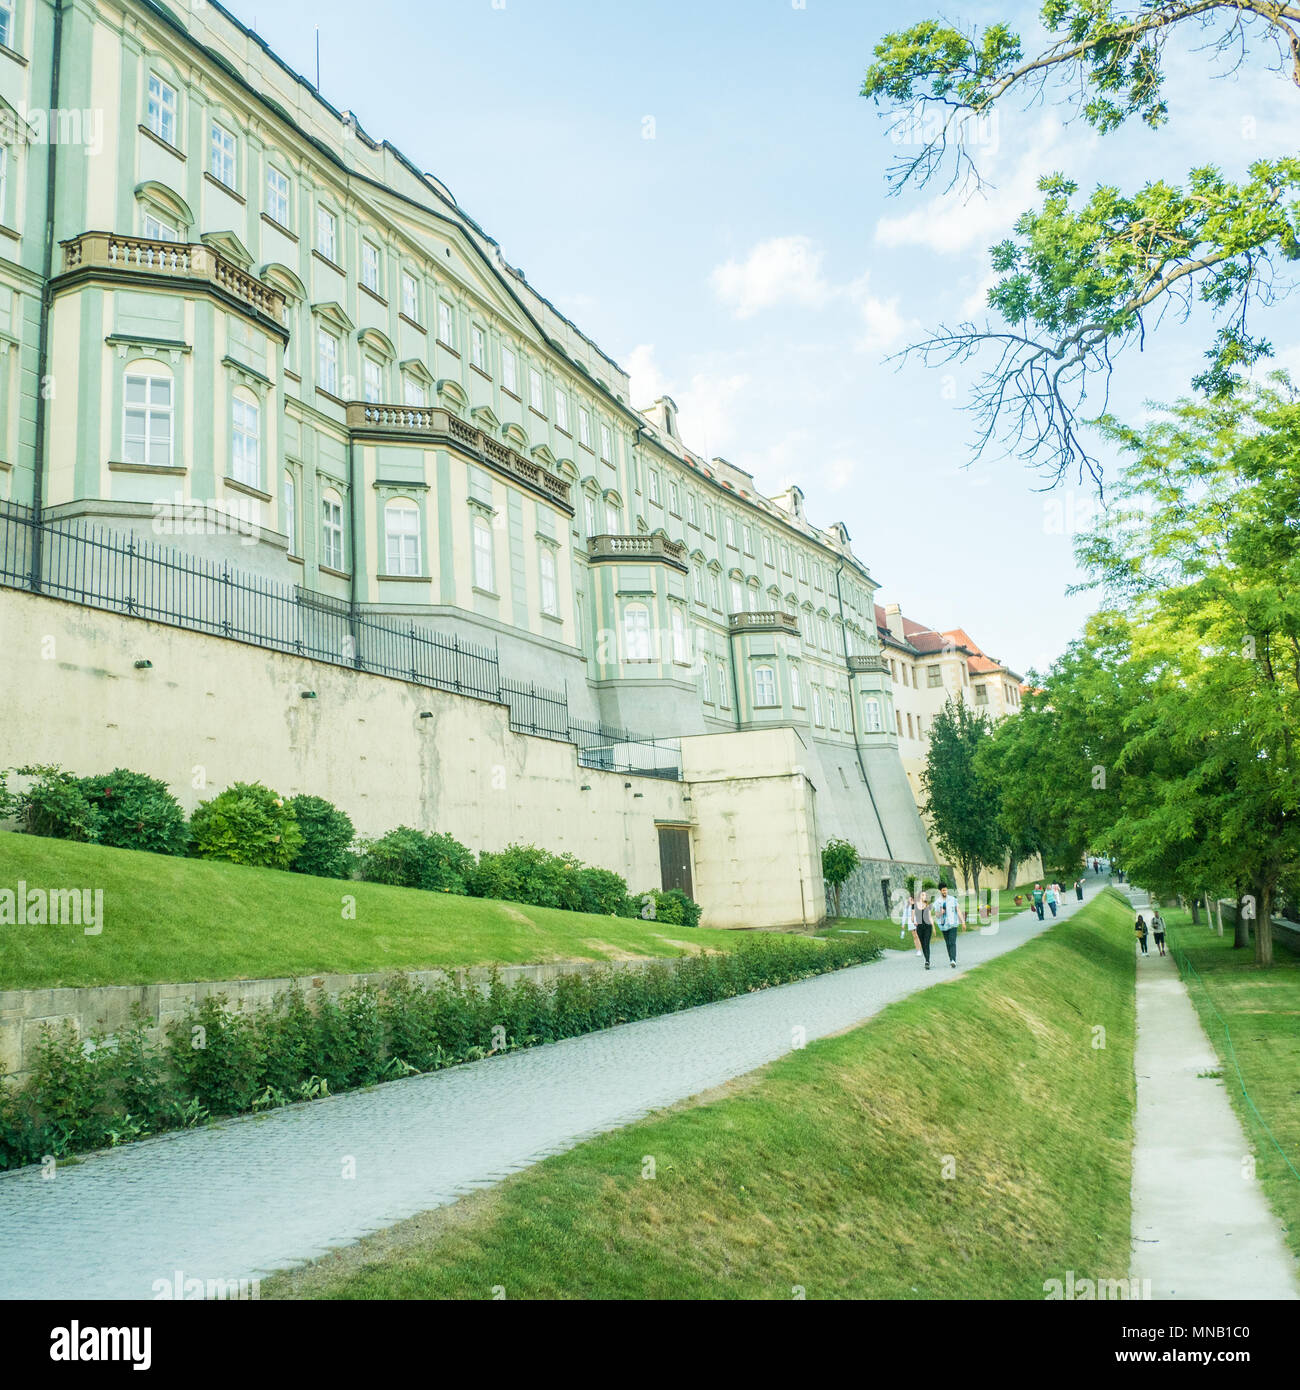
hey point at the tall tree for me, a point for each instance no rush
(960, 802)
(1083, 280)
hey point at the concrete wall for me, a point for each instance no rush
(757, 847)
(101, 1012)
(210, 712)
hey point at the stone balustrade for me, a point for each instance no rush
(653, 548)
(769, 621)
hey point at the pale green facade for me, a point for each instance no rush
(261, 316)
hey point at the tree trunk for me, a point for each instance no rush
(1218, 914)
(1264, 924)
(1240, 925)
(1196, 912)
(1011, 869)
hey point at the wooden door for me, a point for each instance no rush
(675, 858)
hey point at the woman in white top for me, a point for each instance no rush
(908, 919)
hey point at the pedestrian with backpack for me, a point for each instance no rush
(1140, 928)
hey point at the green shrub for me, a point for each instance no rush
(55, 805)
(602, 891)
(221, 1061)
(408, 858)
(246, 824)
(670, 906)
(526, 874)
(136, 812)
(327, 835)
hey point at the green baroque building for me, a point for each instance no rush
(234, 323)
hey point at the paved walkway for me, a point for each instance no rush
(1201, 1227)
(266, 1192)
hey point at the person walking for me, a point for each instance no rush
(924, 918)
(1078, 889)
(1140, 927)
(908, 919)
(1052, 897)
(1158, 930)
(949, 918)
(1038, 900)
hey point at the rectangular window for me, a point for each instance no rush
(446, 324)
(245, 460)
(729, 527)
(692, 517)
(478, 347)
(981, 694)
(748, 536)
(724, 691)
(221, 155)
(589, 513)
(816, 704)
(708, 521)
(413, 392)
(410, 298)
(652, 484)
(327, 234)
(550, 591)
(584, 427)
(331, 533)
(291, 513)
(785, 559)
(370, 266)
(483, 556)
(327, 362)
(161, 114)
(699, 586)
(374, 381)
(606, 444)
(147, 420)
(403, 537)
(277, 196)
(803, 567)
(612, 519)
(674, 499)
(509, 371)
(767, 551)
(933, 676)
(737, 597)
(764, 685)
(561, 411)
(535, 397)
(716, 584)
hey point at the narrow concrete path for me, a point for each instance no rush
(1202, 1227)
(266, 1192)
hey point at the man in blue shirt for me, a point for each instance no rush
(948, 917)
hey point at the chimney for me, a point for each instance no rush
(664, 415)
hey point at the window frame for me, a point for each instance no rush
(409, 510)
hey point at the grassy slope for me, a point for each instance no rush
(182, 919)
(825, 1170)
(1262, 1010)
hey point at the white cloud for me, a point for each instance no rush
(884, 326)
(705, 403)
(781, 270)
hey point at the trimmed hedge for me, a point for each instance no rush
(246, 824)
(327, 835)
(219, 1061)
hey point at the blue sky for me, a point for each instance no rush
(748, 260)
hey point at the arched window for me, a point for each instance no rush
(636, 633)
(402, 534)
(737, 597)
(764, 685)
(612, 517)
(679, 637)
(550, 591)
(796, 687)
(871, 720)
(331, 537)
(245, 438)
(484, 559)
(290, 501)
(148, 415)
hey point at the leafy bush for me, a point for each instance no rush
(55, 805)
(136, 812)
(602, 891)
(221, 1061)
(526, 874)
(409, 858)
(671, 906)
(327, 835)
(246, 824)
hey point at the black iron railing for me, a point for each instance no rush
(120, 572)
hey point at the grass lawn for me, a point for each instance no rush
(1261, 1010)
(171, 919)
(968, 1142)
(884, 934)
